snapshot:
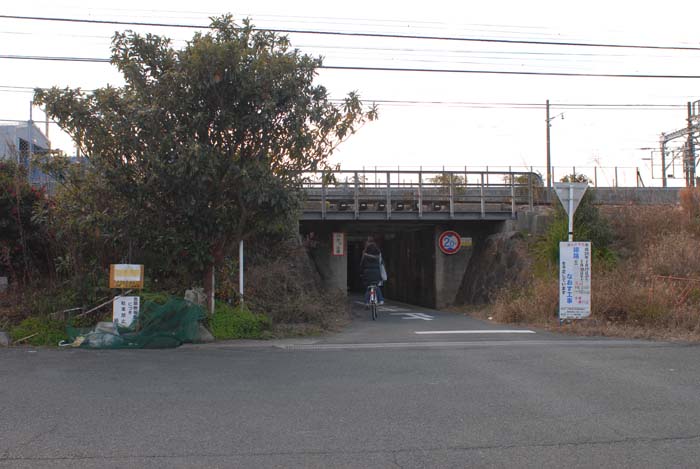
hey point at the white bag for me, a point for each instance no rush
(382, 270)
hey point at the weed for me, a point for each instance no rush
(40, 330)
(238, 322)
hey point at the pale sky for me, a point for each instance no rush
(440, 119)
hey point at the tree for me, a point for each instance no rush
(205, 146)
(24, 243)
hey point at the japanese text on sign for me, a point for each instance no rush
(125, 310)
(574, 280)
(338, 244)
(126, 276)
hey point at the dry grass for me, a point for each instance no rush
(631, 299)
(287, 288)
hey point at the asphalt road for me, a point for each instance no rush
(375, 395)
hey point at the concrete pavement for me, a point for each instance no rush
(506, 400)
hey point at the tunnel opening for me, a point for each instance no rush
(418, 273)
(408, 255)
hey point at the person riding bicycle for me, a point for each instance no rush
(371, 269)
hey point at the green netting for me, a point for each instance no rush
(158, 326)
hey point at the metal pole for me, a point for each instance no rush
(483, 206)
(240, 270)
(323, 195)
(595, 176)
(452, 201)
(420, 194)
(664, 182)
(549, 157)
(388, 195)
(356, 197)
(571, 212)
(512, 194)
(690, 174)
(30, 136)
(616, 181)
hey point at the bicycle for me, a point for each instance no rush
(373, 300)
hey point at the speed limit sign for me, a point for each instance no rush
(450, 242)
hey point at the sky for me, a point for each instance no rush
(427, 119)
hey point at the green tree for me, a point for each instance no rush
(205, 146)
(24, 246)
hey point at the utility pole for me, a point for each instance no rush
(549, 156)
(30, 137)
(664, 182)
(690, 156)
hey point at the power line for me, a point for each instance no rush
(507, 72)
(55, 59)
(399, 69)
(361, 34)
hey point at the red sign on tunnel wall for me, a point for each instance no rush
(450, 242)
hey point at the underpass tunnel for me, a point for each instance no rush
(418, 272)
(408, 257)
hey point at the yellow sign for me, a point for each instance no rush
(466, 242)
(126, 276)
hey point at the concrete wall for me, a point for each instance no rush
(449, 270)
(333, 269)
(636, 195)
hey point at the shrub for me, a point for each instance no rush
(676, 255)
(589, 225)
(156, 297)
(238, 322)
(43, 331)
(535, 303)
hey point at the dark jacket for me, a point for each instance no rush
(369, 265)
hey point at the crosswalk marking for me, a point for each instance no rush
(423, 316)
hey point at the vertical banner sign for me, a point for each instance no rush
(574, 280)
(338, 248)
(125, 310)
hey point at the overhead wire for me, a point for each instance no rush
(363, 34)
(398, 69)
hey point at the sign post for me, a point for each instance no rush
(570, 195)
(574, 259)
(574, 280)
(125, 309)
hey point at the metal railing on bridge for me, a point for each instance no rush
(419, 195)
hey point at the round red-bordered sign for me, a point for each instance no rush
(450, 242)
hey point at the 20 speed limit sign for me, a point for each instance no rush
(450, 242)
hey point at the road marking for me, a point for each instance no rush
(423, 316)
(485, 331)
(471, 344)
(387, 308)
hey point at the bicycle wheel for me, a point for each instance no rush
(373, 307)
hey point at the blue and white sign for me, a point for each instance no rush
(574, 280)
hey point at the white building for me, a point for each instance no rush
(14, 141)
(14, 144)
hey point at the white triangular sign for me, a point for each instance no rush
(562, 189)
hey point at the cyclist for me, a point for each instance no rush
(371, 270)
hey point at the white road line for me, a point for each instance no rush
(423, 316)
(494, 331)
